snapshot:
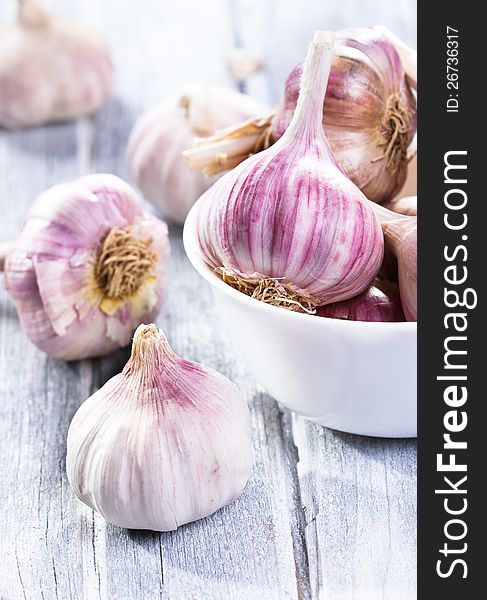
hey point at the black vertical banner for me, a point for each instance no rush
(452, 163)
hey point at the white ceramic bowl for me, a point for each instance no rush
(352, 376)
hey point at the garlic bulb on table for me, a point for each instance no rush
(369, 113)
(51, 69)
(286, 226)
(165, 442)
(87, 267)
(160, 135)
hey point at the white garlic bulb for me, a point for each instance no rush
(165, 442)
(51, 69)
(159, 137)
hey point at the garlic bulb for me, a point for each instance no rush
(165, 442)
(369, 113)
(51, 69)
(160, 136)
(381, 302)
(87, 267)
(400, 232)
(286, 226)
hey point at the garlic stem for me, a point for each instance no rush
(307, 119)
(4, 250)
(149, 347)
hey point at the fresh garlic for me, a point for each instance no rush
(400, 232)
(369, 113)
(405, 206)
(87, 267)
(381, 302)
(51, 69)
(160, 136)
(369, 116)
(165, 442)
(286, 226)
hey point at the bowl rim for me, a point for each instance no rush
(196, 259)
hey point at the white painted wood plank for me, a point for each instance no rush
(359, 496)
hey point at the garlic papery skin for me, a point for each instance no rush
(400, 232)
(230, 146)
(380, 303)
(404, 206)
(369, 113)
(410, 187)
(164, 443)
(407, 54)
(286, 226)
(87, 267)
(159, 137)
(51, 69)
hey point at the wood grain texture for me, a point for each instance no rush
(325, 515)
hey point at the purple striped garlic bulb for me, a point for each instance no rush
(380, 303)
(160, 135)
(286, 226)
(87, 267)
(165, 442)
(369, 112)
(51, 69)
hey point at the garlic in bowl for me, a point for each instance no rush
(353, 376)
(288, 230)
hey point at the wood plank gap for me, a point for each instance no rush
(298, 533)
(85, 135)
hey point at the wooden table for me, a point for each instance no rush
(325, 515)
